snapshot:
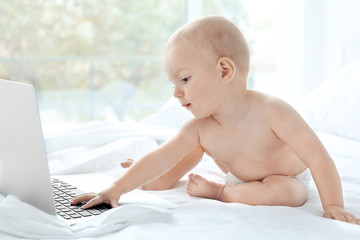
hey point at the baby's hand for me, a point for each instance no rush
(110, 196)
(339, 213)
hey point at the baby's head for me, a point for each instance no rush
(218, 35)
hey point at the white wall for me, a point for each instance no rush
(290, 45)
(331, 38)
(313, 64)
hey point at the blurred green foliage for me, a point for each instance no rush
(85, 57)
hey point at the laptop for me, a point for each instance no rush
(24, 170)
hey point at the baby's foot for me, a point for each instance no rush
(127, 163)
(198, 186)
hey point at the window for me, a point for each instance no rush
(101, 60)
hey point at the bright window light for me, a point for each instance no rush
(102, 60)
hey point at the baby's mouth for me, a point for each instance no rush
(186, 105)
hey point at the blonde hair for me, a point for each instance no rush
(219, 35)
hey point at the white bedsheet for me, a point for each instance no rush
(22, 220)
(99, 147)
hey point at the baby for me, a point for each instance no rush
(263, 145)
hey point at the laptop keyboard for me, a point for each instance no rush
(64, 193)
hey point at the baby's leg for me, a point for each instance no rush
(273, 190)
(168, 179)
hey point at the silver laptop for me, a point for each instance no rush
(24, 170)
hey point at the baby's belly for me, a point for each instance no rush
(258, 170)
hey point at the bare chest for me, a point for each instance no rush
(249, 153)
(240, 144)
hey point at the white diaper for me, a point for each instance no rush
(304, 176)
(232, 180)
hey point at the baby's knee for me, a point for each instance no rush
(286, 191)
(296, 192)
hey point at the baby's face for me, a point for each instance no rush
(194, 73)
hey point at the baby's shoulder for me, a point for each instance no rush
(275, 109)
(197, 125)
(269, 103)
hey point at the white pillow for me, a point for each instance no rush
(335, 106)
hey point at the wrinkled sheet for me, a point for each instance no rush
(99, 147)
(22, 220)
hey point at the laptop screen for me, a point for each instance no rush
(24, 170)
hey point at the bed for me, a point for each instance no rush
(332, 110)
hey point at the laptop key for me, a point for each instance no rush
(94, 211)
(76, 215)
(85, 214)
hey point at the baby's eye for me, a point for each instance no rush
(185, 79)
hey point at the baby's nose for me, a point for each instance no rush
(178, 93)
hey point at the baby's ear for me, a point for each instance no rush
(227, 68)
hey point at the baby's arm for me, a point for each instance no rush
(148, 168)
(167, 180)
(289, 126)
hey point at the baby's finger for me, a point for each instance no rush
(114, 203)
(93, 202)
(83, 197)
(350, 218)
(353, 219)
